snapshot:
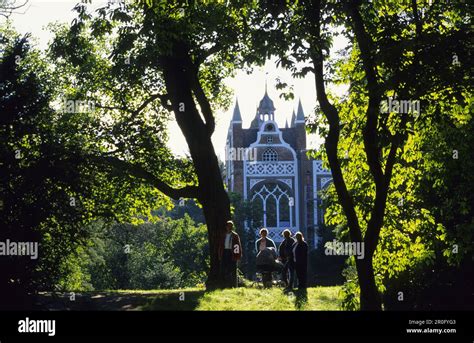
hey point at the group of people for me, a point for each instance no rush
(290, 258)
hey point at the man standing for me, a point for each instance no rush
(230, 251)
(300, 260)
(285, 253)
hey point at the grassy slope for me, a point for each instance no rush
(317, 299)
(251, 299)
(320, 298)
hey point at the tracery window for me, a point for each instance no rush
(274, 201)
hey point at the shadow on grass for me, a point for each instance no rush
(179, 301)
(300, 297)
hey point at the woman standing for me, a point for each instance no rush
(300, 260)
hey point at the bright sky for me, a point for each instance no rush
(249, 89)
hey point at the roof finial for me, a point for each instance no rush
(266, 81)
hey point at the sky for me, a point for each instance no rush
(248, 89)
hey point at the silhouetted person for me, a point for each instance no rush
(264, 242)
(263, 247)
(300, 260)
(285, 253)
(230, 251)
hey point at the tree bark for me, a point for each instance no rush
(370, 299)
(180, 77)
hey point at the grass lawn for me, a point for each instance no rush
(197, 299)
(252, 299)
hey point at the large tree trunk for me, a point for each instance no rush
(370, 299)
(178, 74)
(215, 217)
(369, 296)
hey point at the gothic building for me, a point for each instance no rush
(268, 166)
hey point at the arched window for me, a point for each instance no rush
(270, 155)
(273, 204)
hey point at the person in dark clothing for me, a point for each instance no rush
(230, 251)
(300, 260)
(284, 254)
(264, 242)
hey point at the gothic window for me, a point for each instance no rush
(273, 200)
(284, 211)
(270, 155)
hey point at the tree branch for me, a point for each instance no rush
(332, 139)
(367, 55)
(136, 112)
(141, 173)
(202, 98)
(7, 9)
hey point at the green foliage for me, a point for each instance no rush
(115, 56)
(422, 188)
(35, 187)
(42, 152)
(166, 254)
(78, 170)
(188, 206)
(350, 291)
(73, 272)
(413, 51)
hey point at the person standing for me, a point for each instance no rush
(266, 255)
(230, 252)
(264, 242)
(300, 260)
(285, 254)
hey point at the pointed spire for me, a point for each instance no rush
(236, 117)
(266, 82)
(293, 118)
(286, 123)
(300, 113)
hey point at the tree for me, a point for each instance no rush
(392, 49)
(48, 194)
(35, 193)
(140, 62)
(166, 254)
